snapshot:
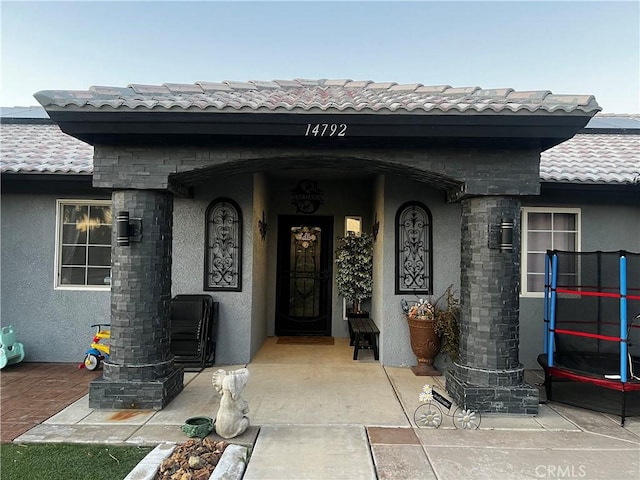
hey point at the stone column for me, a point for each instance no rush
(488, 376)
(140, 372)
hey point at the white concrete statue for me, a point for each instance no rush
(231, 419)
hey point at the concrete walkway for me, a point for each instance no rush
(317, 414)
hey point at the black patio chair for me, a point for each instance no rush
(194, 327)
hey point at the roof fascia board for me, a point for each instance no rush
(588, 193)
(609, 131)
(49, 183)
(391, 118)
(27, 121)
(177, 127)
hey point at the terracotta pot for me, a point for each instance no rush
(425, 344)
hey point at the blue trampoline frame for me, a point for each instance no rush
(623, 383)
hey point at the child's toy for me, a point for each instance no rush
(98, 351)
(10, 351)
(428, 414)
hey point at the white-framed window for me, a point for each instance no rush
(83, 244)
(545, 228)
(352, 224)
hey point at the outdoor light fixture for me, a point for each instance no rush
(376, 227)
(122, 228)
(127, 229)
(506, 235)
(262, 227)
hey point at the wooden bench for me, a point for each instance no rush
(363, 330)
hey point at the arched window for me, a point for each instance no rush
(414, 261)
(223, 247)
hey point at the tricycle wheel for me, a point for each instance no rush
(91, 362)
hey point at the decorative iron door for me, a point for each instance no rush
(303, 284)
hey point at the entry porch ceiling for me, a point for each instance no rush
(317, 113)
(317, 168)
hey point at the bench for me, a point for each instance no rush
(363, 330)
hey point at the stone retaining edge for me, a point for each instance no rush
(231, 465)
(150, 464)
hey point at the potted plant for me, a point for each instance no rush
(433, 327)
(354, 262)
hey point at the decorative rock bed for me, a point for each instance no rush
(192, 460)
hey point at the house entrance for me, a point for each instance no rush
(303, 283)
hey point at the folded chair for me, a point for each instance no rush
(194, 325)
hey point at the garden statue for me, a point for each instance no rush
(231, 419)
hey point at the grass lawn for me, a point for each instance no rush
(53, 461)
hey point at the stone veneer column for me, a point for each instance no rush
(140, 372)
(488, 376)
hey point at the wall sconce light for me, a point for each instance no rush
(127, 229)
(262, 227)
(375, 228)
(506, 235)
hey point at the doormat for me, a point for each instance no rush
(305, 341)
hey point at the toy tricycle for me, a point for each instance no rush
(98, 351)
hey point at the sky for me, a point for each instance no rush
(567, 47)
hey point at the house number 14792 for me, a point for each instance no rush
(326, 130)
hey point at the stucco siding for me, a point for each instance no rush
(259, 293)
(446, 261)
(235, 308)
(604, 228)
(53, 325)
(378, 299)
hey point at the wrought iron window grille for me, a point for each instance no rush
(414, 261)
(223, 249)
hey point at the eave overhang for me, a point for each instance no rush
(165, 128)
(57, 183)
(589, 193)
(315, 113)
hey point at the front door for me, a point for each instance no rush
(303, 284)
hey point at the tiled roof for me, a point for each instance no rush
(309, 96)
(614, 121)
(585, 159)
(42, 148)
(23, 112)
(593, 158)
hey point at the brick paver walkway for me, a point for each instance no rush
(30, 393)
